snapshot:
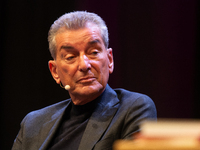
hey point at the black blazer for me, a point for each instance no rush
(117, 116)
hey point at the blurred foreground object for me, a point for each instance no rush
(165, 134)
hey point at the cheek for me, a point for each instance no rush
(62, 68)
(102, 69)
(104, 65)
(65, 71)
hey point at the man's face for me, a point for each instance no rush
(83, 62)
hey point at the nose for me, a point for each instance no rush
(84, 63)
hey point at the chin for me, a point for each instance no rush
(91, 90)
(87, 94)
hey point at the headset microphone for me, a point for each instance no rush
(67, 87)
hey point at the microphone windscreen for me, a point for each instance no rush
(67, 87)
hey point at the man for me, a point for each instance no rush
(95, 115)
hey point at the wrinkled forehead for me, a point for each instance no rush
(89, 34)
(93, 30)
(77, 27)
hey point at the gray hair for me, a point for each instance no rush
(76, 20)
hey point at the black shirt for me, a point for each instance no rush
(72, 127)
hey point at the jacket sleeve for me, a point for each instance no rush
(142, 109)
(17, 145)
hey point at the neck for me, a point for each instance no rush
(82, 100)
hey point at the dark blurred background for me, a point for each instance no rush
(155, 44)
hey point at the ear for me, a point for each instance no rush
(53, 70)
(111, 61)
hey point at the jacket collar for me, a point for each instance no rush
(106, 108)
(49, 128)
(100, 119)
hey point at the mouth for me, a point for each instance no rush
(86, 80)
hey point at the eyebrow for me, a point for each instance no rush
(93, 42)
(96, 41)
(66, 47)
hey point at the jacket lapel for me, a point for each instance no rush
(100, 119)
(50, 127)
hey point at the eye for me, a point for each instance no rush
(94, 52)
(70, 58)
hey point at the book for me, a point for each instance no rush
(164, 134)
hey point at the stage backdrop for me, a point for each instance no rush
(155, 45)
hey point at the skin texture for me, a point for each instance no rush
(83, 62)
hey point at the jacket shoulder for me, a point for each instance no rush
(46, 113)
(129, 95)
(136, 101)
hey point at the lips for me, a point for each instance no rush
(86, 79)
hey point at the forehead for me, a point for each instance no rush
(89, 31)
(79, 39)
